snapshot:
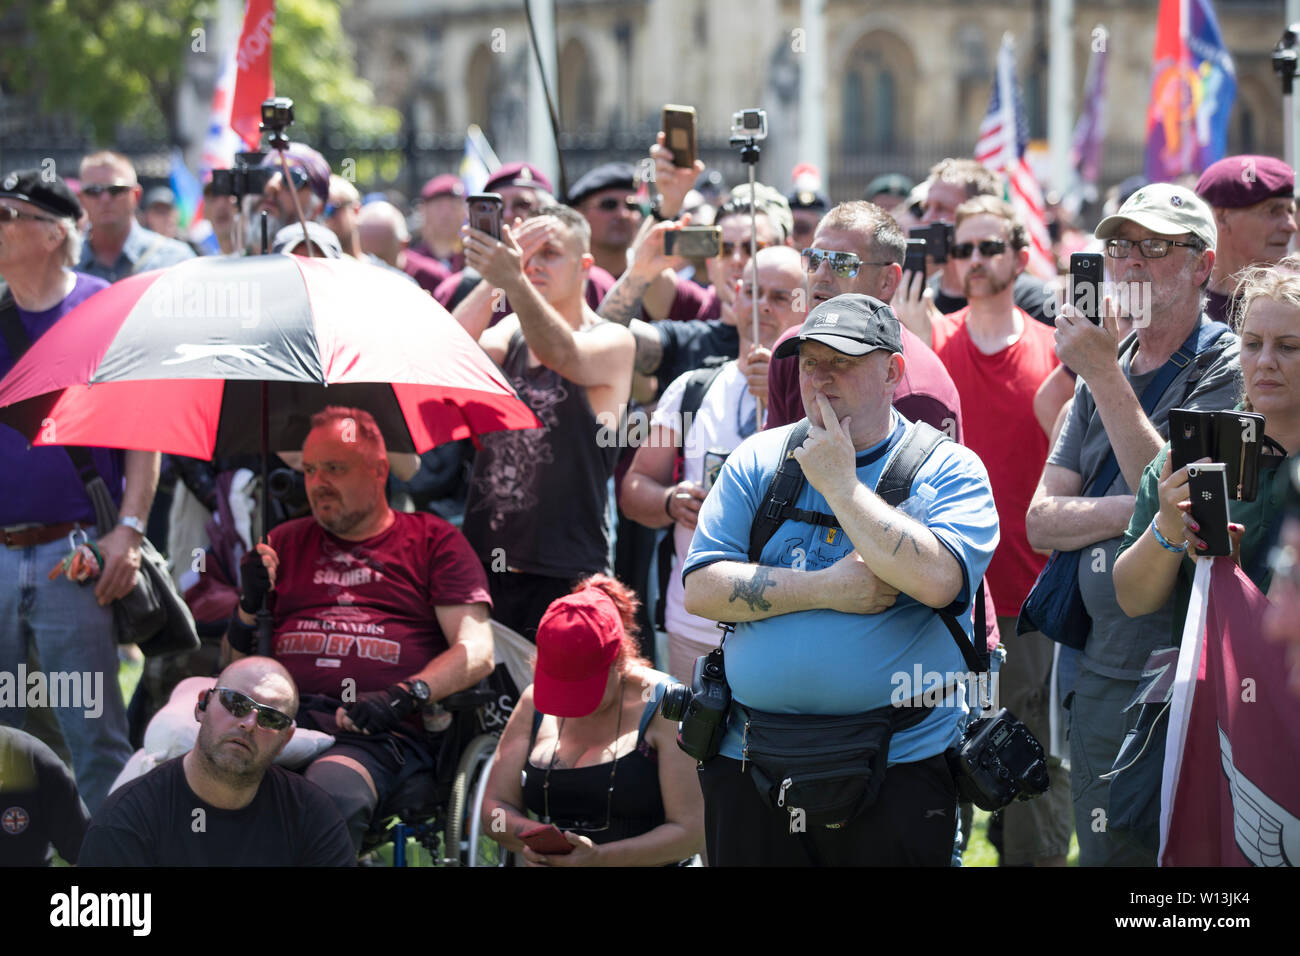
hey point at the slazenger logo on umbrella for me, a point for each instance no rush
(189, 352)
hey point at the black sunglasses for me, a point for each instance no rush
(987, 247)
(98, 190)
(610, 203)
(240, 704)
(9, 214)
(729, 248)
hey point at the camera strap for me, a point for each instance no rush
(894, 486)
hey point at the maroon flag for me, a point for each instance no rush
(253, 82)
(1232, 761)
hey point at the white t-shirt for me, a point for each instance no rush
(727, 405)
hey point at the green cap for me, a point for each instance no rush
(1165, 209)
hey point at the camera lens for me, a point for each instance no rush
(677, 698)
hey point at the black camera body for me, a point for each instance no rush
(277, 114)
(701, 709)
(998, 761)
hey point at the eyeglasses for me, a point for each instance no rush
(9, 214)
(779, 297)
(1150, 248)
(729, 248)
(114, 190)
(846, 265)
(240, 704)
(988, 248)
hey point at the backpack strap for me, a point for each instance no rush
(777, 505)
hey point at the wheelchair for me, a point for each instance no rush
(442, 809)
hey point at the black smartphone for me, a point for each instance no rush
(679, 134)
(914, 261)
(938, 239)
(485, 212)
(694, 242)
(1234, 438)
(1209, 490)
(1086, 284)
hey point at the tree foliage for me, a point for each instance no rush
(110, 63)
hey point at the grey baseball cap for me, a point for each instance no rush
(1164, 209)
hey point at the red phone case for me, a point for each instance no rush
(548, 839)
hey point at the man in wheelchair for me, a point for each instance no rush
(377, 613)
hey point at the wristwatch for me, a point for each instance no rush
(659, 216)
(132, 522)
(419, 690)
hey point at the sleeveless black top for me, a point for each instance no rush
(541, 495)
(580, 795)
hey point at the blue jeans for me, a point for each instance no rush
(72, 634)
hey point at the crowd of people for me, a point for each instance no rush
(861, 469)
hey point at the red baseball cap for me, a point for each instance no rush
(443, 185)
(577, 639)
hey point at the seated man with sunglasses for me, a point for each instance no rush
(224, 803)
(117, 245)
(1160, 254)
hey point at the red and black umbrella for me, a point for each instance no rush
(186, 360)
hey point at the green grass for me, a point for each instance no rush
(980, 852)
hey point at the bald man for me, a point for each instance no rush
(224, 803)
(383, 233)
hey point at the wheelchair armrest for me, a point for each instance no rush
(467, 699)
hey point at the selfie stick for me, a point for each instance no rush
(749, 153)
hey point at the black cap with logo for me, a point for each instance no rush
(42, 189)
(853, 323)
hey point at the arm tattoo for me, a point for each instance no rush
(623, 302)
(906, 535)
(751, 592)
(649, 347)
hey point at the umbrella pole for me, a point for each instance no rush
(264, 623)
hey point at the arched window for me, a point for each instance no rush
(875, 109)
(577, 88)
(484, 86)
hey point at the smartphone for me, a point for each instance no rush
(485, 211)
(938, 239)
(679, 134)
(694, 242)
(714, 459)
(1086, 284)
(914, 261)
(1234, 438)
(1209, 489)
(548, 839)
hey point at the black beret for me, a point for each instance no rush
(1240, 181)
(608, 176)
(42, 189)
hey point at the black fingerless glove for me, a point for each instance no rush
(255, 582)
(379, 710)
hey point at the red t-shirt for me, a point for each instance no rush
(997, 400)
(365, 609)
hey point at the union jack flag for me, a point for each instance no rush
(1001, 147)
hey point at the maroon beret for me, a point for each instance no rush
(1238, 181)
(444, 185)
(518, 174)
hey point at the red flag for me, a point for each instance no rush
(1232, 794)
(254, 82)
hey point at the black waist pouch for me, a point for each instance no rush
(822, 770)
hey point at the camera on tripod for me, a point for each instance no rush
(701, 709)
(748, 125)
(246, 178)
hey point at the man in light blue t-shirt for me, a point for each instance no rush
(843, 620)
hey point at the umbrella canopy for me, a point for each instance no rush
(175, 361)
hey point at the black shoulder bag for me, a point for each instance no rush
(1054, 604)
(153, 614)
(825, 770)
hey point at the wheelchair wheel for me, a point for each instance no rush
(465, 836)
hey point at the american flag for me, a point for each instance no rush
(1001, 147)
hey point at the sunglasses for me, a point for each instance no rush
(240, 704)
(9, 214)
(611, 203)
(729, 248)
(988, 248)
(97, 190)
(1150, 248)
(846, 265)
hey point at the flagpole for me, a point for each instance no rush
(1060, 79)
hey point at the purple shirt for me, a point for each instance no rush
(40, 485)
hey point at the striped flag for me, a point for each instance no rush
(1001, 147)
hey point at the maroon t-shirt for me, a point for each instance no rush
(365, 609)
(694, 301)
(425, 271)
(926, 393)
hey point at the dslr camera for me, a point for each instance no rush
(998, 761)
(246, 178)
(749, 124)
(701, 709)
